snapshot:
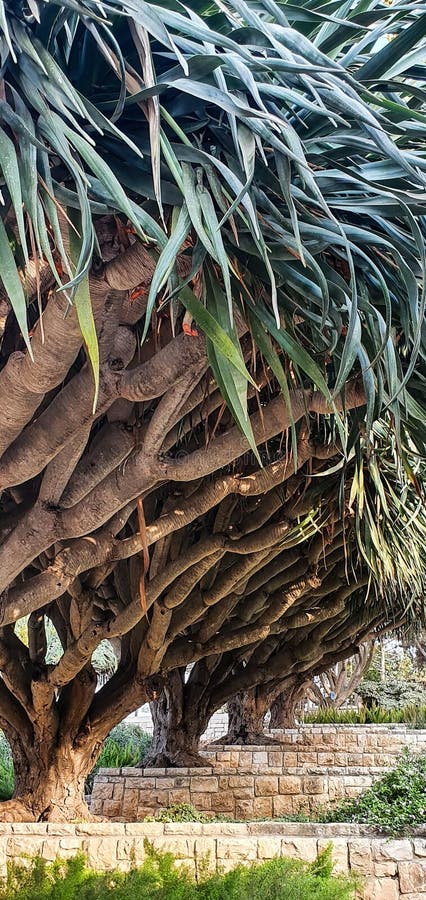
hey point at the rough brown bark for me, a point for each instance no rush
(177, 728)
(283, 708)
(49, 781)
(246, 713)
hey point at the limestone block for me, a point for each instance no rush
(340, 759)
(144, 829)
(360, 857)
(192, 828)
(130, 803)
(202, 801)
(241, 781)
(143, 812)
(178, 771)
(306, 758)
(126, 849)
(112, 808)
(224, 756)
(244, 809)
(101, 829)
(326, 758)
(181, 847)
(223, 802)
(96, 806)
(282, 805)
(245, 759)
(419, 845)
(380, 889)
(336, 787)
(263, 807)
(268, 847)
(204, 784)
(237, 848)
(339, 853)
(266, 786)
(290, 760)
(275, 758)
(290, 784)
(180, 795)
(163, 784)
(260, 758)
(412, 877)
(160, 798)
(367, 760)
(102, 853)
(397, 850)
(141, 781)
(60, 829)
(103, 791)
(354, 759)
(299, 848)
(387, 867)
(313, 785)
(118, 790)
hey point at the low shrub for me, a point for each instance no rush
(393, 693)
(181, 812)
(158, 879)
(413, 715)
(394, 804)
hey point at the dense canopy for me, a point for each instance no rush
(212, 369)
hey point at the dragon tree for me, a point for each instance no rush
(212, 428)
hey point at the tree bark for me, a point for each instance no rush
(246, 712)
(283, 709)
(177, 727)
(50, 781)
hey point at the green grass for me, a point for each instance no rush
(414, 715)
(158, 879)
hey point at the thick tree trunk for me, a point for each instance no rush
(246, 712)
(177, 727)
(50, 782)
(283, 709)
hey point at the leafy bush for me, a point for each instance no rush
(126, 745)
(6, 769)
(7, 780)
(181, 812)
(414, 715)
(393, 693)
(396, 802)
(157, 879)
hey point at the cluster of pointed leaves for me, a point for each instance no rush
(279, 147)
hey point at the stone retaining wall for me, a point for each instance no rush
(389, 869)
(335, 746)
(132, 793)
(312, 766)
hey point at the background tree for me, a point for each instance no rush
(333, 687)
(212, 357)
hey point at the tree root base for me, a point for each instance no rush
(181, 760)
(249, 739)
(17, 810)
